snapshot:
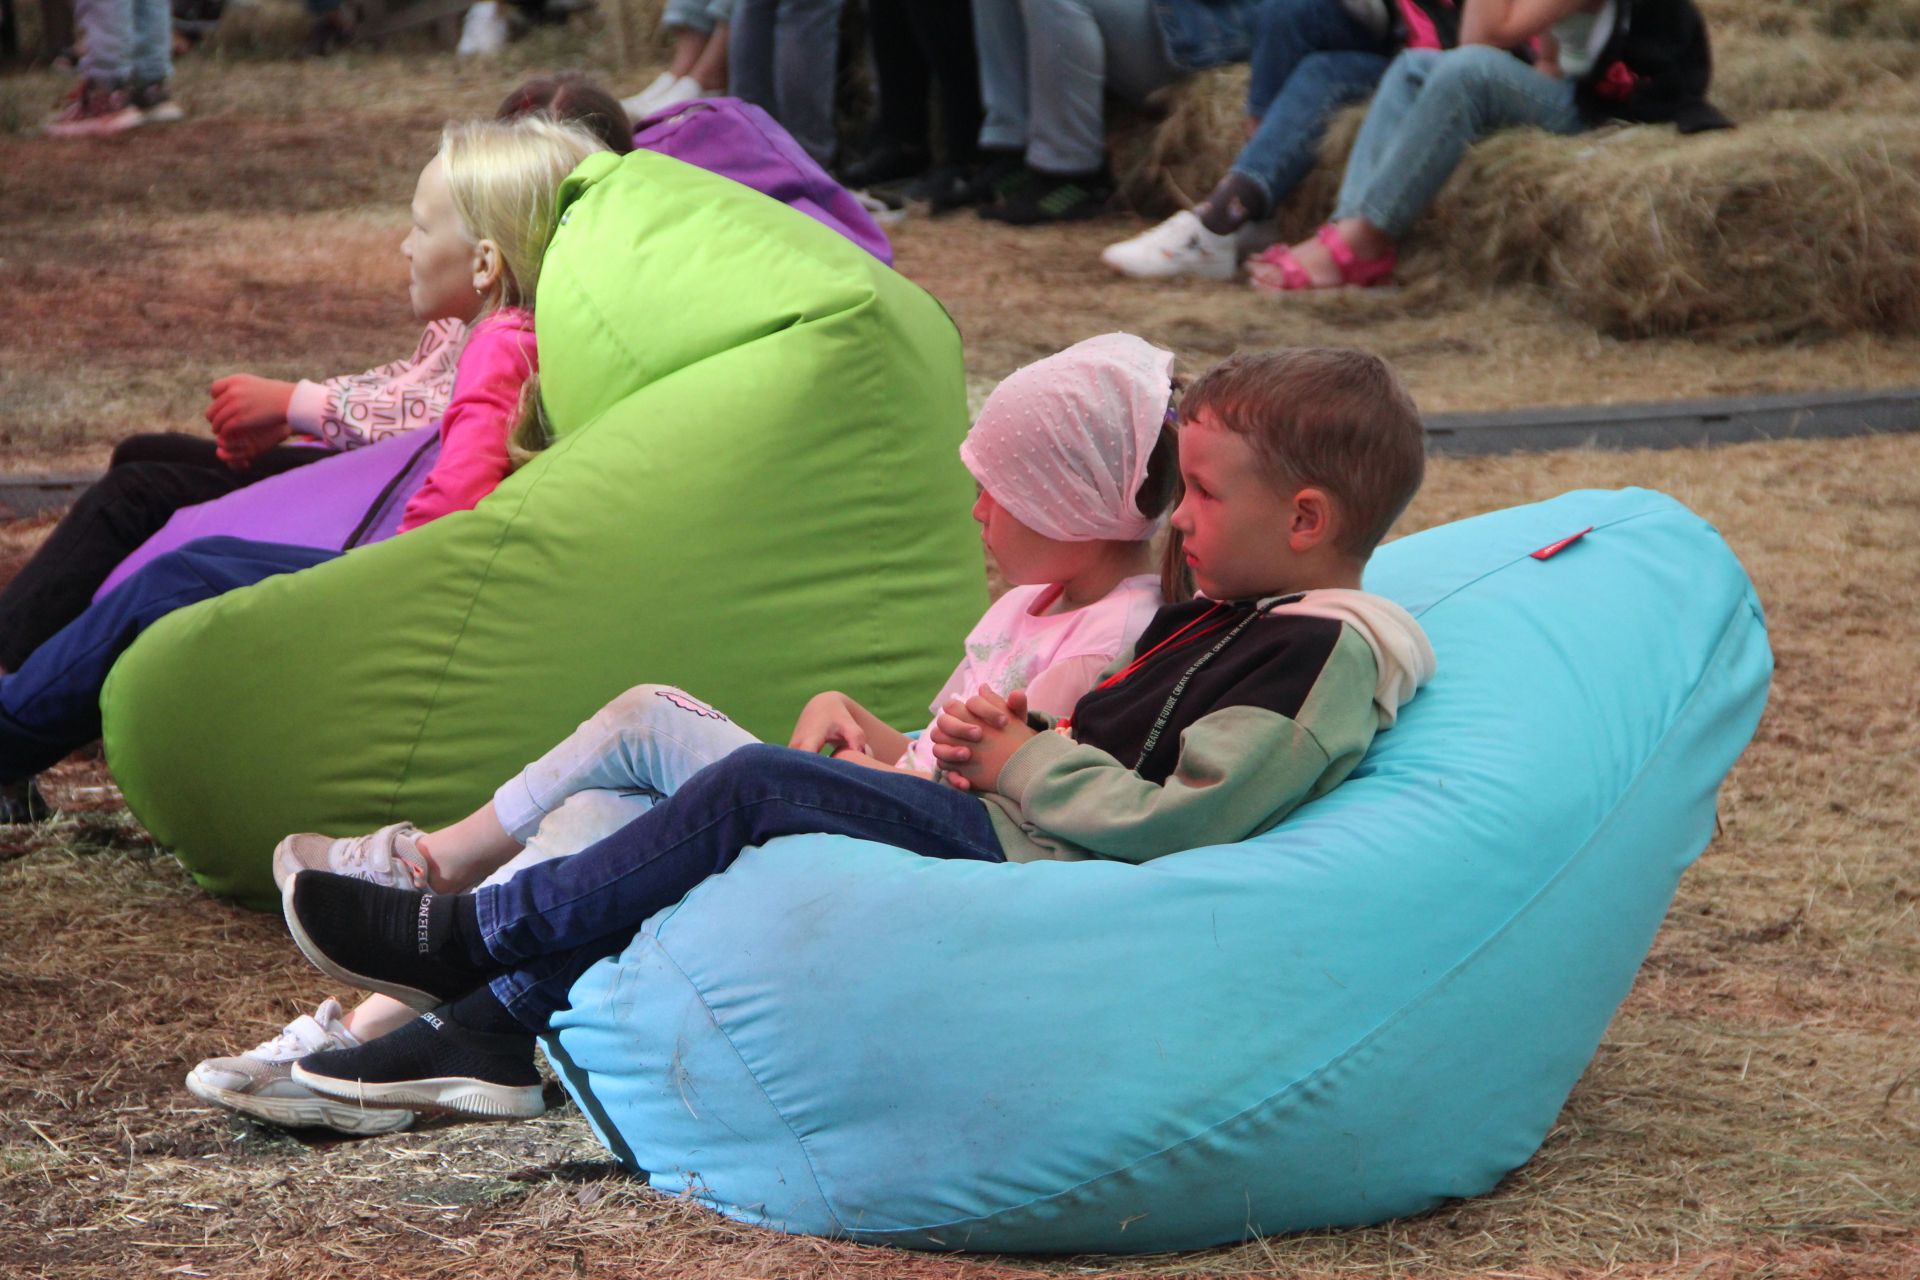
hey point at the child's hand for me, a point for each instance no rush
(827, 720)
(249, 416)
(973, 740)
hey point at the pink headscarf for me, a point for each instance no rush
(1063, 443)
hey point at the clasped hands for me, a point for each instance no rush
(974, 739)
(249, 416)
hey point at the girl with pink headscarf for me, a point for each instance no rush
(1077, 470)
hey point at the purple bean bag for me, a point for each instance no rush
(358, 496)
(740, 141)
(339, 503)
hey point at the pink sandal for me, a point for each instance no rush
(1354, 273)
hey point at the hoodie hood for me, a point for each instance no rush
(1401, 651)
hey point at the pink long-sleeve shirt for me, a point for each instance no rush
(498, 359)
(359, 409)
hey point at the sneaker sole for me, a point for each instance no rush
(458, 1095)
(163, 115)
(1178, 273)
(296, 1113)
(413, 997)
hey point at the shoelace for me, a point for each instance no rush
(370, 857)
(297, 1039)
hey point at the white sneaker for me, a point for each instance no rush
(685, 89)
(1180, 246)
(484, 31)
(641, 103)
(260, 1083)
(390, 856)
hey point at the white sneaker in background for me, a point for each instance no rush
(638, 104)
(1180, 246)
(484, 31)
(685, 89)
(260, 1083)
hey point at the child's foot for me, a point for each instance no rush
(390, 856)
(434, 1063)
(1327, 261)
(419, 948)
(156, 103)
(259, 1082)
(21, 803)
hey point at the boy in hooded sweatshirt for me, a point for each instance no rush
(1234, 708)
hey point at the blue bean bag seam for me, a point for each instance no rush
(720, 1025)
(1505, 565)
(453, 647)
(1726, 636)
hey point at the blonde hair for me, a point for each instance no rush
(504, 177)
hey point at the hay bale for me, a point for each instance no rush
(1794, 225)
(1801, 221)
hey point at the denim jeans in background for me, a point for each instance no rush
(1432, 106)
(1309, 59)
(127, 41)
(784, 57)
(1045, 66)
(696, 15)
(552, 921)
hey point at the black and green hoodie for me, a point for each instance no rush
(1255, 708)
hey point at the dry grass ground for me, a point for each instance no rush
(1754, 1110)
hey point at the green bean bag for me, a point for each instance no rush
(754, 492)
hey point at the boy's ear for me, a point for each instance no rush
(488, 266)
(1311, 520)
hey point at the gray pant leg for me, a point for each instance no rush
(1000, 41)
(108, 26)
(1081, 49)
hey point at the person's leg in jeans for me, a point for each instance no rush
(1285, 145)
(649, 740)
(1462, 96)
(1309, 59)
(52, 704)
(806, 74)
(151, 61)
(107, 60)
(150, 478)
(750, 53)
(1081, 50)
(1000, 48)
(505, 958)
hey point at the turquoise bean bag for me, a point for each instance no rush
(1379, 1005)
(754, 492)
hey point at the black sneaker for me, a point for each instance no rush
(943, 188)
(399, 942)
(1054, 197)
(996, 176)
(21, 804)
(155, 102)
(433, 1064)
(887, 163)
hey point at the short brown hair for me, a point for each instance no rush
(570, 97)
(1332, 418)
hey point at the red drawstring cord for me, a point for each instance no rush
(1141, 660)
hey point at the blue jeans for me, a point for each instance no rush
(52, 703)
(784, 57)
(552, 921)
(1310, 58)
(696, 15)
(127, 40)
(1045, 66)
(1430, 108)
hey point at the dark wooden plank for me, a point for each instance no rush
(1676, 424)
(24, 496)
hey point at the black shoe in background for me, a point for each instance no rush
(1054, 197)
